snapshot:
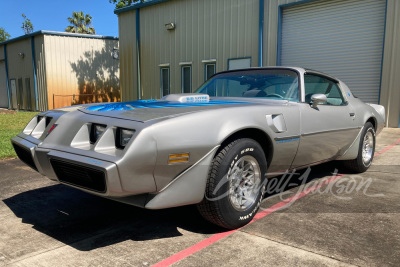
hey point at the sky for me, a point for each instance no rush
(52, 15)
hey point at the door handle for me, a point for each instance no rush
(352, 114)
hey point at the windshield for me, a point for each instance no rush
(260, 83)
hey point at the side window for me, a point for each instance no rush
(315, 84)
(165, 81)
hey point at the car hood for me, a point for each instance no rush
(146, 110)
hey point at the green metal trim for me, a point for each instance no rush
(261, 33)
(139, 5)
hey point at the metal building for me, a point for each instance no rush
(46, 70)
(172, 46)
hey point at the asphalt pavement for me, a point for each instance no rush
(327, 217)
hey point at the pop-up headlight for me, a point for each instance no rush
(123, 137)
(96, 131)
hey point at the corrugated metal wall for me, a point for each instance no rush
(204, 30)
(22, 68)
(80, 66)
(128, 59)
(390, 87)
(223, 29)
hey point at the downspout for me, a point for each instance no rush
(261, 33)
(8, 81)
(34, 72)
(139, 90)
(278, 49)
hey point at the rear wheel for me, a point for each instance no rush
(235, 184)
(366, 150)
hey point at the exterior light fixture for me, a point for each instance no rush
(22, 55)
(115, 53)
(170, 26)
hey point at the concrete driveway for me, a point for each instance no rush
(315, 219)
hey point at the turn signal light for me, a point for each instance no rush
(178, 158)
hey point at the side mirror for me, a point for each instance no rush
(318, 99)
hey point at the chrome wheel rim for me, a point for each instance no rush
(244, 180)
(367, 148)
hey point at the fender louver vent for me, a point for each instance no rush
(25, 155)
(80, 176)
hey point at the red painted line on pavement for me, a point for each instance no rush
(214, 238)
(387, 148)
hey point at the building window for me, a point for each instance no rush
(239, 63)
(209, 70)
(186, 74)
(165, 81)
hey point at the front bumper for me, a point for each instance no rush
(91, 175)
(25, 151)
(103, 178)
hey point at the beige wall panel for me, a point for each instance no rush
(80, 66)
(128, 59)
(204, 30)
(21, 67)
(41, 73)
(390, 86)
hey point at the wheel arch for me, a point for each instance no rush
(257, 135)
(373, 121)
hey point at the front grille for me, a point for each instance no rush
(80, 176)
(25, 155)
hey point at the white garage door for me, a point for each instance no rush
(343, 38)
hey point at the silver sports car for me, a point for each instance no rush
(215, 148)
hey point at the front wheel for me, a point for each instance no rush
(235, 184)
(366, 150)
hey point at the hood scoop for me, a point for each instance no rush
(188, 98)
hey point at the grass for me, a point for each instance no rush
(10, 126)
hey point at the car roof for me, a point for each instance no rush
(297, 69)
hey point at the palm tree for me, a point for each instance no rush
(81, 23)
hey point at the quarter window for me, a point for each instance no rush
(186, 79)
(165, 81)
(315, 84)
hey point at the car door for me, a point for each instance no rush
(328, 129)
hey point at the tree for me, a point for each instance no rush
(81, 23)
(27, 26)
(124, 3)
(4, 36)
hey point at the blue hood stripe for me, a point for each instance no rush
(156, 104)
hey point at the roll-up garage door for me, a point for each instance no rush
(343, 38)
